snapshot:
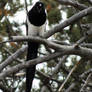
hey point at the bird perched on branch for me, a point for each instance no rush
(36, 24)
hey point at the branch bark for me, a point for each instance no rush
(61, 87)
(73, 3)
(12, 57)
(66, 50)
(3, 88)
(68, 22)
(24, 65)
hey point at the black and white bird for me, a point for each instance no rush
(36, 24)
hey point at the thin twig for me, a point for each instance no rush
(90, 1)
(3, 88)
(44, 76)
(86, 73)
(80, 41)
(61, 87)
(70, 87)
(72, 3)
(86, 82)
(26, 7)
(17, 59)
(58, 66)
(5, 42)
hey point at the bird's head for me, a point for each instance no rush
(39, 7)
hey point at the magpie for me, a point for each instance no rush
(36, 24)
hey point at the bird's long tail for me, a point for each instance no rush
(30, 71)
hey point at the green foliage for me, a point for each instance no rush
(70, 12)
(74, 34)
(54, 16)
(89, 18)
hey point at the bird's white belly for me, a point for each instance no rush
(35, 30)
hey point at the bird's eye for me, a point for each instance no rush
(40, 5)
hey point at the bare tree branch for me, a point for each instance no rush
(23, 65)
(70, 87)
(66, 50)
(17, 59)
(26, 6)
(48, 78)
(58, 66)
(86, 73)
(90, 1)
(61, 87)
(3, 88)
(80, 41)
(43, 88)
(68, 22)
(73, 3)
(12, 57)
(86, 82)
